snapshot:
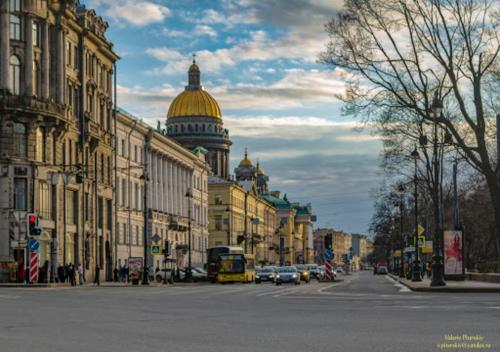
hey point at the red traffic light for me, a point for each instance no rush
(32, 219)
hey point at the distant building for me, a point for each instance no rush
(174, 174)
(238, 216)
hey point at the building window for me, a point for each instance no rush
(218, 199)
(135, 153)
(137, 234)
(108, 162)
(15, 27)
(19, 140)
(68, 54)
(20, 193)
(44, 200)
(15, 75)
(40, 146)
(218, 222)
(124, 236)
(100, 210)
(71, 207)
(109, 210)
(123, 148)
(36, 78)
(36, 34)
(124, 192)
(75, 57)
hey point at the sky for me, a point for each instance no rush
(258, 59)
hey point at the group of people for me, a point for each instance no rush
(424, 269)
(69, 272)
(121, 274)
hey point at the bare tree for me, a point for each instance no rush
(401, 53)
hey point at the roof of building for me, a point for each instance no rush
(194, 100)
(277, 202)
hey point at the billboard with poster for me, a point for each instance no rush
(453, 253)
(135, 265)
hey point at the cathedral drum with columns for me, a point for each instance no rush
(194, 119)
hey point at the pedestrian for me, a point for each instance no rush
(60, 274)
(81, 278)
(421, 269)
(115, 274)
(45, 268)
(72, 274)
(127, 273)
(428, 268)
(97, 273)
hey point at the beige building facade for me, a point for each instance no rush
(175, 191)
(56, 136)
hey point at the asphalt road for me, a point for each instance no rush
(361, 313)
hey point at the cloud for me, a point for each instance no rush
(137, 13)
(294, 89)
(205, 30)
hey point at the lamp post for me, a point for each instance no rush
(189, 276)
(228, 210)
(416, 270)
(401, 190)
(437, 260)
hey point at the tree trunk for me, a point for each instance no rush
(494, 190)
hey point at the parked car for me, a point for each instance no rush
(162, 275)
(313, 270)
(266, 273)
(303, 270)
(382, 270)
(196, 274)
(286, 274)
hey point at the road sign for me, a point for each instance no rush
(33, 267)
(427, 248)
(33, 245)
(421, 230)
(328, 255)
(156, 249)
(156, 238)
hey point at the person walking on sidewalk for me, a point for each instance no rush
(81, 279)
(97, 273)
(428, 267)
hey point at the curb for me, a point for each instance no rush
(446, 288)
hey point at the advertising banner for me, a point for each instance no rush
(135, 267)
(453, 246)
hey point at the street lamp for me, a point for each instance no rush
(189, 276)
(437, 265)
(228, 210)
(416, 270)
(401, 191)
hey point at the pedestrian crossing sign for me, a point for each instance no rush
(156, 249)
(421, 241)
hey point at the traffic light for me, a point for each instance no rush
(328, 241)
(33, 229)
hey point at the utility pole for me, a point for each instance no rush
(416, 268)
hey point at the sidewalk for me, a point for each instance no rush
(89, 285)
(451, 286)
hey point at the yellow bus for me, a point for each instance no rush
(236, 268)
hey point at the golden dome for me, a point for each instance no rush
(194, 103)
(246, 161)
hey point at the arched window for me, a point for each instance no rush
(196, 127)
(182, 128)
(190, 128)
(15, 75)
(175, 128)
(203, 128)
(19, 140)
(209, 128)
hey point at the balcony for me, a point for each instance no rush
(32, 104)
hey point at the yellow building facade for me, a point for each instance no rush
(239, 217)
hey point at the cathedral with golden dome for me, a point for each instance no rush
(194, 119)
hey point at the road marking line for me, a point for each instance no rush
(402, 288)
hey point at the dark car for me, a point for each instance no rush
(382, 270)
(314, 270)
(264, 274)
(286, 274)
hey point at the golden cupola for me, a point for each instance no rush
(245, 161)
(194, 100)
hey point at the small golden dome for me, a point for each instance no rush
(194, 103)
(260, 171)
(246, 161)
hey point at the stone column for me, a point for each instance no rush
(60, 65)
(4, 45)
(45, 60)
(161, 190)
